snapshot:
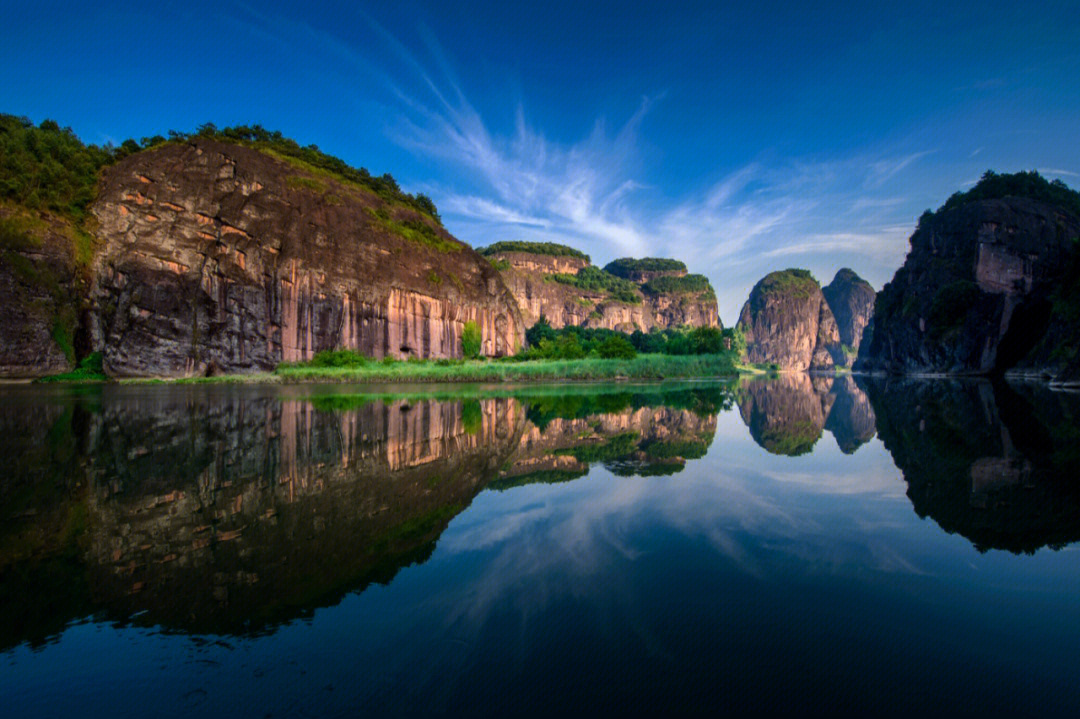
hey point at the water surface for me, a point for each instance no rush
(803, 544)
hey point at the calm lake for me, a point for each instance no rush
(801, 545)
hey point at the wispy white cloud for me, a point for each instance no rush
(596, 193)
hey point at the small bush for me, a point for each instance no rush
(339, 358)
(616, 348)
(471, 340)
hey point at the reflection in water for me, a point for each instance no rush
(995, 463)
(228, 513)
(684, 566)
(786, 414)
(231, 511)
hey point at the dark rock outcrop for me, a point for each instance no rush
(218, 257)
(40, 289)
(787, 322)
(530, 278)
(851, 299)
(976, 292)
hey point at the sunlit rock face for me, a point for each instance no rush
(974, 294)
(851, 299)
(217, 257)
(529, 279)
(788, 323)
(995, 463)
(787, 414)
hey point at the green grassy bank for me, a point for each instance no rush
(642, 367)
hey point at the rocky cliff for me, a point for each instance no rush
(985, 287)
(219, 257)
(851, 299)
(787, 322)
(40, 289)
(568, 290)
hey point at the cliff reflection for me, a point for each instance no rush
(996, 463)
(787, 414)
(232, 511)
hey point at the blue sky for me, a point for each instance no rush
(739, 137)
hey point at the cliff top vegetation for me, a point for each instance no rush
(792, 281)
(48, 167)
(1031, 184)
(550, 249)
(685, 285)
(626, 266)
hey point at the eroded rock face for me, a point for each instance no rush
(787, 322)
(39, 291)
(528, 278)
(217, 257)
(973, 295)
(851, 299)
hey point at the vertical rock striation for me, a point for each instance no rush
(977, 293)
(787, 322)
(851, 299)
(537, 280)
(218, 257)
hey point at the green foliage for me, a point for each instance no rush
(793, 282)
(499, 264)
(533, 248)
(627, 267)
(49, 168)
(615, 347)
(593, 279)
(470, 340)
(385, 186)
(309, 183)
(413, 230)
(615, 447)
(586, 368)
(62, 337)
(735, 340)
(89, 369)
(1020, 184)
(686, 449)
(687, 284)
(17, 233)
(951, 305)
(548, 343)
(792, 439)
(472, 416)
(339, 358)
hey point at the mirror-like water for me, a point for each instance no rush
(800, 544)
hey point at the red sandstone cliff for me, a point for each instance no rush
(218, 257)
